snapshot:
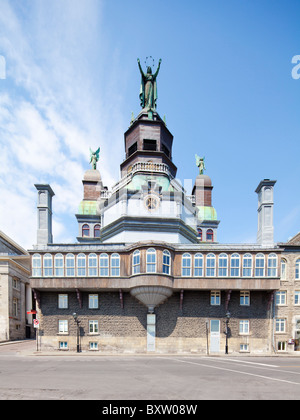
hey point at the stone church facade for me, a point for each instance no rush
(147, 273)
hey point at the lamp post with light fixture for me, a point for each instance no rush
(226, 331)
(75, 316)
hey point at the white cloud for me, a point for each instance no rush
(52, 109)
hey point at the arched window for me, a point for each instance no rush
(199, 231)
(272, 265)
(104, 265)
(92, 265)
(223, 265)
(235, 265)
(136, 262)
(81, 265)
(58, 265)
(210, 265)
(297, 269)
(85, 230)
(70, 265)
(209, 235)
(97, 231)
(198, 265)
(186, 266)
(283, 269)
(36, 265)
(48, 265)
(166, 262)
(247, 265)
(115, 265)
(151, 261)
(259, 265)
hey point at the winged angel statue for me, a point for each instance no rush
(94, 157)
(200, 163)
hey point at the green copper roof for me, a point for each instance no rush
(207, 213)
(139, 180)
(88, 207)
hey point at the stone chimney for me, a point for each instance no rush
(44, 207)
(265, 228)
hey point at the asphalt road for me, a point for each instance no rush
(25, 375)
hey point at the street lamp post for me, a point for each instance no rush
(227, 332)
(75, 316)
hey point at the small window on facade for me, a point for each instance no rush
(151, 261)
(136, 262)
(81, 265)
(283, 269)
(215, 298)
(104, 265)
(244, 298)
(85, 230)
(63, 301)
(93, 301)
(223, 265)
(166, 262)
(36, 265)
(199, 231)
(70, 265)
(235, 265)
(97, 231)
(247, 265)
(186, 266)
(48, 265)
(58, 265)
(297, 269)
(198, 265)
(93, 327)
(92, 265)
(149, 144)
(209, 235)
(210, 265)
(259, 265)
(115, 265)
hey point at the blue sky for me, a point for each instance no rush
(225, 86)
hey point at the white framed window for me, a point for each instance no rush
(281, 345)
(93, 345)
(58, 265)
(235, 265)
(93, 327)
(244, 326)
(104, 265)
(36, 265)
(70, 265)
(297, 269)
(92, 265)
(272, 265)
(115, 265)
(198, 265)
(48, 265)
(245, 298)
(63, 345)
(297, 297)
(283, 269)
(259, 265)
(81, 265)
(223, 265)
(166, 262)
(93, 301)
(63, 327)
(136, 262)
(280, 325)
(151, 260)
(210, 265)
(244, 347)
(215, 297)
(247, 265)
(280, 298)
(186, 265)
(63, 301)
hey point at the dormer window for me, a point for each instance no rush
(85, 230)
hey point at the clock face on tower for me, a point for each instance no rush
(151, 202)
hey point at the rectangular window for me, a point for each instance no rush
(93, 345)
(15, 307)
(244, 326)
(63, 326)
(244, 347)
(93, 301)
(93, 327)
(281, 346)
(63, 301)
(280, 298)
(244, 298)
(215, 297)
(63, 345)
(297, 297)
(280, 325)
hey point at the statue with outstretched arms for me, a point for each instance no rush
(148, 90)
